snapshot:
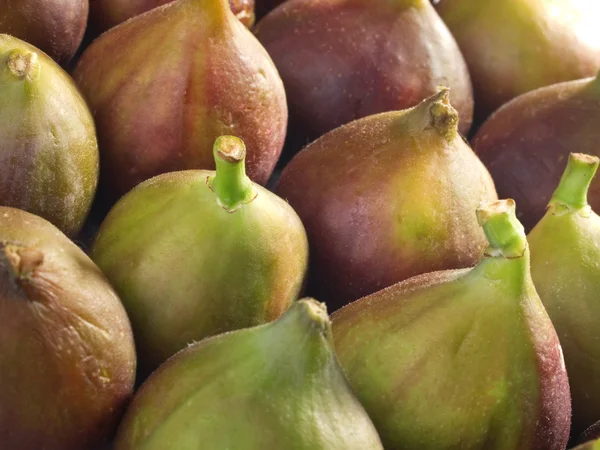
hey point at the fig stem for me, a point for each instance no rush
(503, 230)
(311, 314)
(230, 182)
(573, 187)
(23, 65)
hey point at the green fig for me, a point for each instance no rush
(197, 253)
(272, 387)
(565, 266)
(592, 445)
(49, 158)
(463, 359)
(514, 46)
(189, 73)
(388, 197)
(67, 357)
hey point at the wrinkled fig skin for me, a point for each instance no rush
(565, 248)
(189, 73)
(67, 359)
(49, 158)
(515, 46)
(55, 26)
(590, 434)
(526, 143)
(105, 14)
(341, 60)
(272, 387)
(233, 268)
(458, 360)
(385, 198)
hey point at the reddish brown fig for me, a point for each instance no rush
(54, 26)
(189, 73)
(387, 197)
(105, 14)
(526, 143)
(341, 60)
(515, 46)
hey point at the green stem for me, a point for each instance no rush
(230, 183)
(575, 182)
(504, 232)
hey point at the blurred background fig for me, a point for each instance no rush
(55, 26)
(526, 143)
(198, 253)
(49, 158)
(272, 387)
(341, 60)
(463, 359)
(67, 357)
(514, 46)
(387, 197)
(565, 251)
(105, 14)
(591, 445)
(591, 434)
(165, 84)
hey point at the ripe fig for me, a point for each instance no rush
(234, 256)
(220, 81)
(105, 14)
(525, 143)
(67, 358)
(515, 46)
(461, 359)
(387, 197)
(565, 250)
(49, 158)
(271, 387)
(55, 26)
(341, 60)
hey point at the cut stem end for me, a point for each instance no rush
(503, 230)
(23, 65)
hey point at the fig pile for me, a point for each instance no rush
(188, 188)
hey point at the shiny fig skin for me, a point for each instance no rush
(189, 73)
(55, 26)
(271, 387)
(342, 60)
(105, 14)
(67, 356)
(49, 160)
(387, 197)
(515, 46)
(464, 359)
(188, 266)
(526, 143)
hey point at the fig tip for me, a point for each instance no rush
(487, 210)
(443, 116)
(23, 64)
(585, 158)
(314, 310)
(23, 261)
(230, 148)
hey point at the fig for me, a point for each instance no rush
(190, 72)
(526, 142)
(264, 6)
(565, 250)
(270, 387)
(342, 60)
(460, 359)
(592, 445)
(515, 46)
(105, 14)
(55, 26)
(591, 433)
(197, 253)
(387, 197)
(67, 357)
(49, 158)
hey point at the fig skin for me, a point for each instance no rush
(49, 159)
(190, 73)
(565, 249)
(515, 46)
(190, 260)
(55, 26)
(526, 143)
(67, 357)
(388, 197)
(342, 60)
(463, 359)
(275, 386)
(105, 14)
(592, 445)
